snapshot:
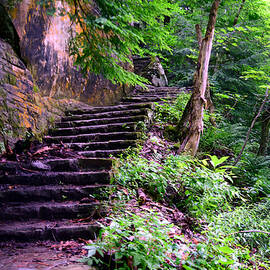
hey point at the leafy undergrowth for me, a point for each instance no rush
(178, 212)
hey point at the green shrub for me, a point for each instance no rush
(246, 218)
(217, 254)
(254, 175)
(170, 113)
(207, 190)
(135, 172)
(135, 241)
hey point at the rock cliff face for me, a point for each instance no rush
(37, 78)
(21, 104)
(44, 46)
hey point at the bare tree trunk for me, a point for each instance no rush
(239, 12)
(209, 103)
(191, 137)
(251, 127)
(264, 133)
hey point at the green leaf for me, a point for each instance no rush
(225, 249)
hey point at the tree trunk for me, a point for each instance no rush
(190, 136)
(238, 13)
(209, 103)
(264, 133)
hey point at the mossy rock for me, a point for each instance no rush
(11, 79)
(170, 132)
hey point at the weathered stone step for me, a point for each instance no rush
(110, 108)
(102, 153)
(56, 165)
(102, 121)
(121, 113)
(153, 103)
(60, 193)
(144, 99)
(54, 178)
(79, 164)
(110, 145)
(163, 88)
(48, 210)
(158, 94)
(128, 126)
(49, 230)
(93, 137)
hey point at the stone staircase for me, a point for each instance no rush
(56, 201)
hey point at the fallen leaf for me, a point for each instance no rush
(43, 149)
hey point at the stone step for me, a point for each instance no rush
(111, 114)
(144, 99)
(110, 145)
(163, 88)
(48, 210)
(60, 193)
(102, 153)
(79, 164)
(56, 165)
(128, 126)
(50, 230)
(93, 137)
(153, 103)
(57, 178)
(102, 121)
(173, 94)
(110, 108)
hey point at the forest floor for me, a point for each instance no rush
(42, 255)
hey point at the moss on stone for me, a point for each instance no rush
(36, 88)
(11, 79)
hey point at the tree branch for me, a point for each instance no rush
(249, 231)
(252, 125)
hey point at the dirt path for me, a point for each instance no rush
(41, 255)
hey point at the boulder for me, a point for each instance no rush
(151, 69)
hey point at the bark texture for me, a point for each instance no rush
(265, 126)
(209, 103)
(190, 132)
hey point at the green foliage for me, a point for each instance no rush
(12, 3)
(217, 253)
(254, 176)
(224, 136)
(113, 30)
(171, 112)
(137, 172)
(246, 218)
(206, 194)
(135, 241)
(207, 191)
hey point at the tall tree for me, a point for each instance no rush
(192, 127)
